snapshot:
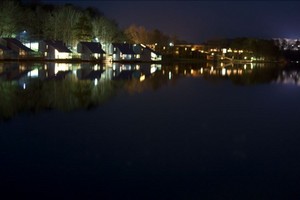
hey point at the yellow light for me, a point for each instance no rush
(142, 78)
(228, 72)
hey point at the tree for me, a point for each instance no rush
(83, 28)
(9, 18)
(59, 24)
(137, 34)
(107, 31)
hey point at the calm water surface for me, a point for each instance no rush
(82, 131)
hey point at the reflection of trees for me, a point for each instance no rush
(8, 99)
(66, 95)
(72, 93)
(257, 76)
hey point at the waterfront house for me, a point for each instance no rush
(122, 52)
(53, 50)
(20, 50)
(90, 50)
(146, 54)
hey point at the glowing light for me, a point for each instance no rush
(171, 44)
(142, 78)
(245, 66)
(24, 86)
(96, 82)
(170, 75)
(153, 69)
(33, 73)
(228, 72)
(223, 72)
(61, 67)
(201, 70)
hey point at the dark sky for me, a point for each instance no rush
(197, 21)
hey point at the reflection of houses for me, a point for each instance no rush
(90, 50)
(146, 53)
(133, 71)
(54, 50)
(16, 46)
(123, 52)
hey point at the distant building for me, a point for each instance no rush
(52, 50)
(90, 50)
(17, 47)
(181, 50)
(288, 44)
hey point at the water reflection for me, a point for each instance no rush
(68, 86)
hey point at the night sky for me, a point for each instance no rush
(197, 21)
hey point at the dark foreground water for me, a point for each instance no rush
(199, 137)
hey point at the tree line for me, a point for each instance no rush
(69, 24)
(259, 47)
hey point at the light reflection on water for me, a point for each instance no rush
(69, 86)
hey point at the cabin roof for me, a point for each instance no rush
(94, 47)
(58, 45)
(124, 48)
(18, 44)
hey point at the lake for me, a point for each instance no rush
(149, 131)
